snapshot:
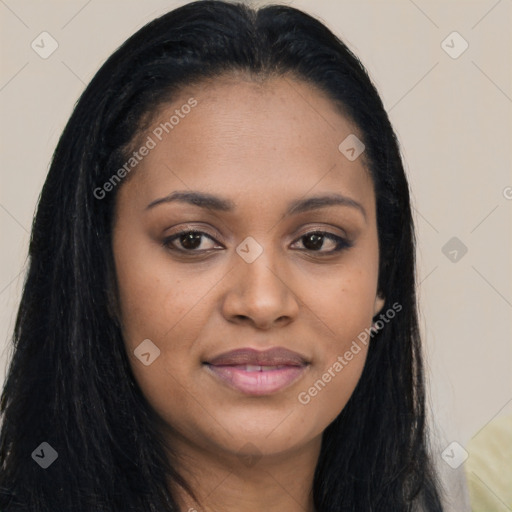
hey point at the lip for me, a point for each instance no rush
(271, 357)
(258, 373)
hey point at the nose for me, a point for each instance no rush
(260, 295)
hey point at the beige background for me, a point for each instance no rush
(453, 118)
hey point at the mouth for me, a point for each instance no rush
(258, 373)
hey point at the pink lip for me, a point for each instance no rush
(231, 368)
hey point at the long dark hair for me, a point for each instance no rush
(69, 382)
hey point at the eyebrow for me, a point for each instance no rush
(212, 202)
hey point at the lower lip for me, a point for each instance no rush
(257, 383)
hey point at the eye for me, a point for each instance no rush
(315, 240)
(189, 241)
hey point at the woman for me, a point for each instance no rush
(220, 309)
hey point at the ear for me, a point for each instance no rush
(379, 304)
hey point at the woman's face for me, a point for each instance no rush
(255, 273)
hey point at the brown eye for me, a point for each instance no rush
(190, 240)
(315, 240)
(187, 241)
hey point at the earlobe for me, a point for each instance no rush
(379, 304)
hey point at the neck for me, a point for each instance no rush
(246, 483)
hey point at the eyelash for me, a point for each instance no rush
(341, 245)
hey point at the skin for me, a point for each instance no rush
(260, 145)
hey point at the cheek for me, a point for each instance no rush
(341, 356)
(345, 308)
(325, 395)
(153, 296)
(166, 305)
(156, 305)
(345, 301)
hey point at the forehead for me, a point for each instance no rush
(234, 117)
(265, 136)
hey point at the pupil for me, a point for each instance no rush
(316, 239)
(189, 240)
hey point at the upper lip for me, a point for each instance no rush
(278, 356)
